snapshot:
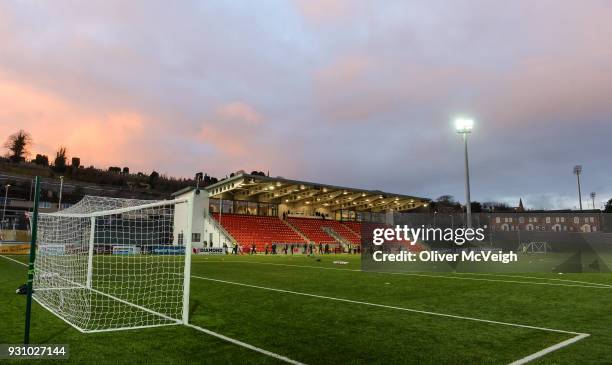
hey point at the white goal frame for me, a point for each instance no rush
(535, 247)
(86, 288)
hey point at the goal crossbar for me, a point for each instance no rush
(101, 213)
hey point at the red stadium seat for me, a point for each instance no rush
(312, 228)
(258, 230)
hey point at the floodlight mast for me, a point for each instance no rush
(577, 172)
(464, 127)
(6, 189)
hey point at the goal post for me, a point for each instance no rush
(108, 264)
(187, 272)
(92, 235)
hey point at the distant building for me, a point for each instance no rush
(546, 220)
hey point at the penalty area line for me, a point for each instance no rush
(589, 286)
(576, 336)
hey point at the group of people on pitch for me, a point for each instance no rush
(288, 249)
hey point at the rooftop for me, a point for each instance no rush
(280, 190)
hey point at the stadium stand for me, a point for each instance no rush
(313, 229)
(258, 230)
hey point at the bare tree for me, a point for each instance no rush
(18, 145)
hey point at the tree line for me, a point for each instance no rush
(18, 150)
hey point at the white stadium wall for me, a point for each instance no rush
(206, 231)
(199, 213)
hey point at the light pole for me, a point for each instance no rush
(59, 204)
(6, 187)
(464, 127)
(577, 172)
(593, 195)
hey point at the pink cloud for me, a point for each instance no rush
(99, 138)
(240, 112)
(233, 128)
(325, 11)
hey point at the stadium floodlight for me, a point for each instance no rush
(464, 127)
(593, 195)
(577, 172)
(108, 264)
(6, 189)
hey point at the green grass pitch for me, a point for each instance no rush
(324, 313)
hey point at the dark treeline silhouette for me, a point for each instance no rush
(446, 204)
(16, 161)
(608, 207)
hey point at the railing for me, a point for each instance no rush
(299, 233)
(220, 228)
(335, 235)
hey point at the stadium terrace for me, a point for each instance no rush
(254, 212)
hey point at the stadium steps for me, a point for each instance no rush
(314, 230)
(296, 231)
(354, 227)
(341, 240)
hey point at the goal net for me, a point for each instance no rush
(534, 247)
(109, 264)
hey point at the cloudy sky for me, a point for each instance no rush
(355, 93)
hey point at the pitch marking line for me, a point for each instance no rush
(550, 349)
(12, 259)
(245, 345)
(590, 285)
(536, 278)
(201, 329)
(577, 336)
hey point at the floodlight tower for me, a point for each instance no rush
(577, 172)
(6, 188)
(464, 127)
(593, 195)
